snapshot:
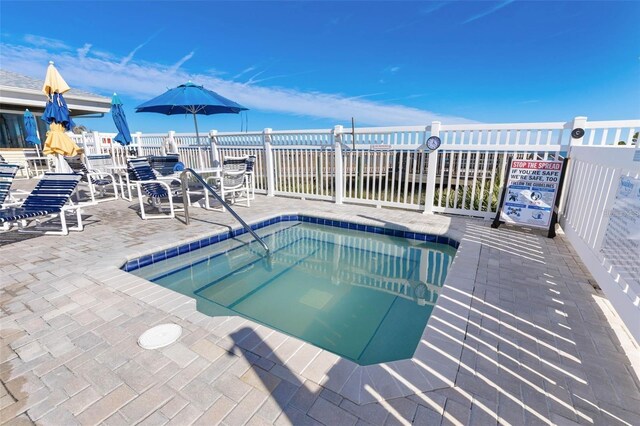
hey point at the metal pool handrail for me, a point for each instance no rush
(208, 187)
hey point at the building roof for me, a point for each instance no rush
(18, 92)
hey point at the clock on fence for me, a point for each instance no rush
(433, 143)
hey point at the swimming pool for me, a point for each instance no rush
(364, 293)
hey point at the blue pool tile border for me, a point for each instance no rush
(149, 259)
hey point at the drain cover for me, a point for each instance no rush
(160, 336)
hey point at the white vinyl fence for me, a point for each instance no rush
(383, 166)
(592, 184)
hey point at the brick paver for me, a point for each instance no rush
(520, 336)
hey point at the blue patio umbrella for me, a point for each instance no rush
(189, 98)
(117, 113)
(30, 128)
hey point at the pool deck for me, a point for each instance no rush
(518, 336)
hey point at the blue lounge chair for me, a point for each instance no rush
(7, 173)
(49, 198)
(164, 165)
(147, 183)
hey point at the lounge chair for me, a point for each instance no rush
(164, 165)
(7, 197)
(98, 181)
(49, 198)
(147, 183)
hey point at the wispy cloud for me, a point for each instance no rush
(178, 64)
(252, 79)
(244, 71)
(273, 77)
(40, 41)
(142, 80)
(530, 101)
(129, 57)
(432, 7)
(368, 95)
(83, 51)
(488, 11)
(403, 98)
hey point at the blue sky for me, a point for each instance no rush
(300, 65)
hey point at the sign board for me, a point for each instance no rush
(621, 244)
(380, 147)
(532, 187)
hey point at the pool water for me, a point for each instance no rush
(364, 296)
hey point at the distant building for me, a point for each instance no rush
(19, 92)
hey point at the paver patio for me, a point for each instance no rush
(520, 335)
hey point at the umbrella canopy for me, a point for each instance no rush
(189, 98)
(31, 128)
(59, 143)
(56, 113)
(117, 113)
(53, 82)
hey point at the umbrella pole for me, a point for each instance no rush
(211, 156)
(195, 121)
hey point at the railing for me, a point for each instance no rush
(383, 166)
(207, 187)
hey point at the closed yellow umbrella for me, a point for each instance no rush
(59, 143)
(56, 113)
(53, 82)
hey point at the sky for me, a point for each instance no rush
(312, 64)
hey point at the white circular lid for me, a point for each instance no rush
(160, 336)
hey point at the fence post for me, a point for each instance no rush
(577, 123)
(339, 175)
(85, 141)
(214, 155)
(432, 166)
(269, 163)
(97, 141)
(138, 138)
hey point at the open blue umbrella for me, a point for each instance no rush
(30, 128)
(117, 113)
(189, 98)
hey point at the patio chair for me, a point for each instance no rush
(105, 163)
(248, 164)
(251, 163)
(97, 181)
(164, 165)
(154, 188)
(49, 198)
(233, 182)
